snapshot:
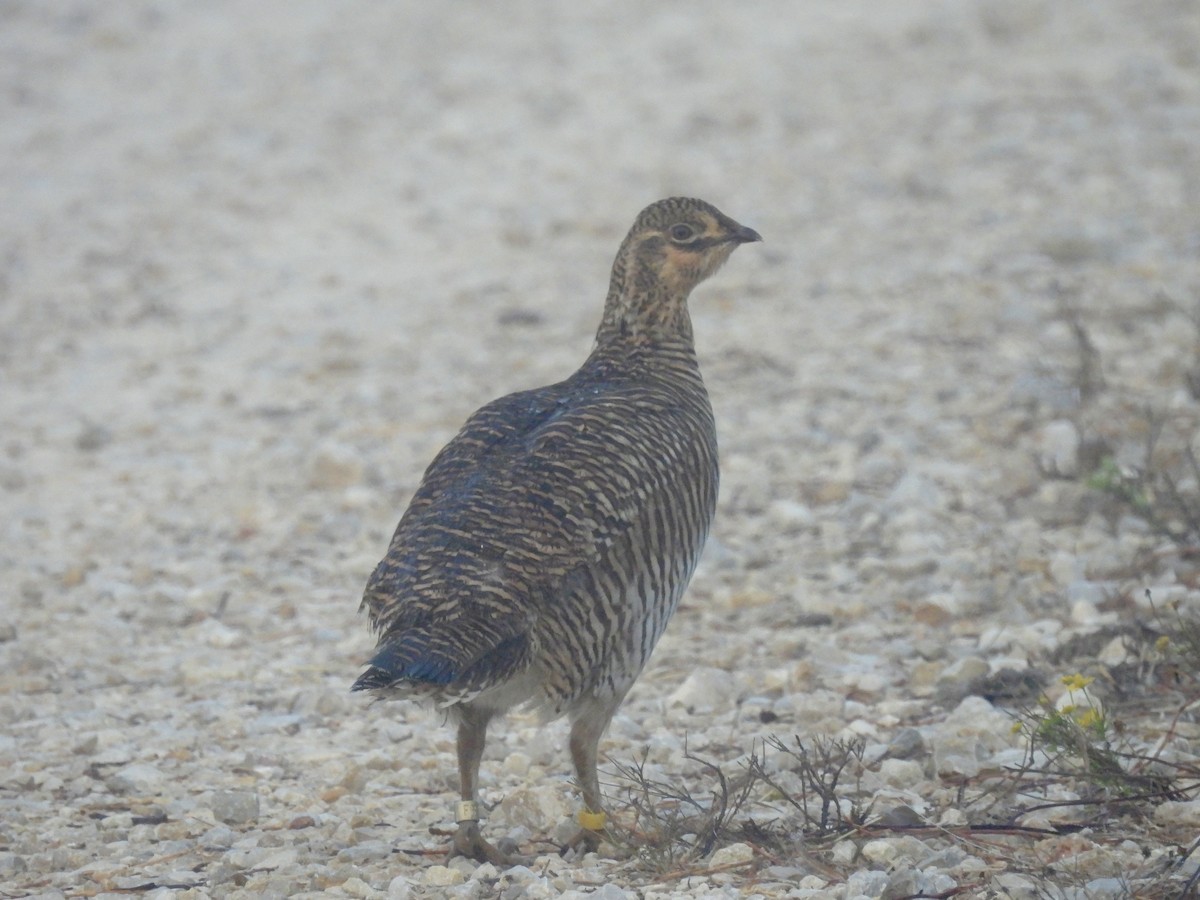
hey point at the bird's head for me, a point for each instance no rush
(674, 245)
(682, 241)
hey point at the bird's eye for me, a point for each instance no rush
(682, 232)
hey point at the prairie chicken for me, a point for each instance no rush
(550, 540)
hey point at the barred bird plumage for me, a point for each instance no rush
(550, 541)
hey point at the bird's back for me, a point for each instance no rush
(550, 540)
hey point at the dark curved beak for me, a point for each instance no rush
(744, 235)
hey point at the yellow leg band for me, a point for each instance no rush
(466, 811)
(592, 821)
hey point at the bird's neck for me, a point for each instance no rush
(641, 320)
(636, 341)
(643, 309)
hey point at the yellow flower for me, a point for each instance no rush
(1162, 644)
(1090, 718)
(1076, 682)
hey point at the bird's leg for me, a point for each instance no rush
(472, 733)
(586, 730)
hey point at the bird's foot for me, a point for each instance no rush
(582, 842)
(587, 838)
(469, 842)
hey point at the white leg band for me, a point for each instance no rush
(466, 811)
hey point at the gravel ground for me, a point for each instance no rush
(260, 259)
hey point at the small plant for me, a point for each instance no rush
(1076, 736)
(1156, 494)
(1179, 644)
(676, 824)
(1124, 486)
(1077, 745)
(821, 765)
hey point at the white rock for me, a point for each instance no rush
(1084, 612)
(235, 807)
(734, 854)
(1050, 819)
(357, 497)
(859, 728)
(1114, 653)
(336, 466)
(121, 821)
(466, 866)
(218, 837)
(956, 754)
(865, 682)
(866, 883)
(535, 806)
(964, 670)
(1184, 813)
(443, 876)
(915, 491)
(704, 690)
(1017, 885)
(1094, 592)
(880, 851)
(519, 874)
(907, 743)
(952, 603)
(218, 635)
(779, 678)
(611, 892)
(919, 542)
(1058, 448)
(1106, 889)
(901, 772)
(140, 777)
(815, 708)
(280, 859)
(1065, 567)
(1160, 596)
(356, 887)
(517, 763)
(531, 884)
(399, 888)
(1007, 21)
(995, 638)
(791, 515)
(485, 872)
(365, 852)
(845, 853)
(215, 668)
(12, 864)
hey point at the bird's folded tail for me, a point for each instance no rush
(422, 658)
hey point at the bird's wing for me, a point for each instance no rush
(535, 486)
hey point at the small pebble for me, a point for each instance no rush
(235, 807)
(704, 689)
(733, 855)
(441, 876)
